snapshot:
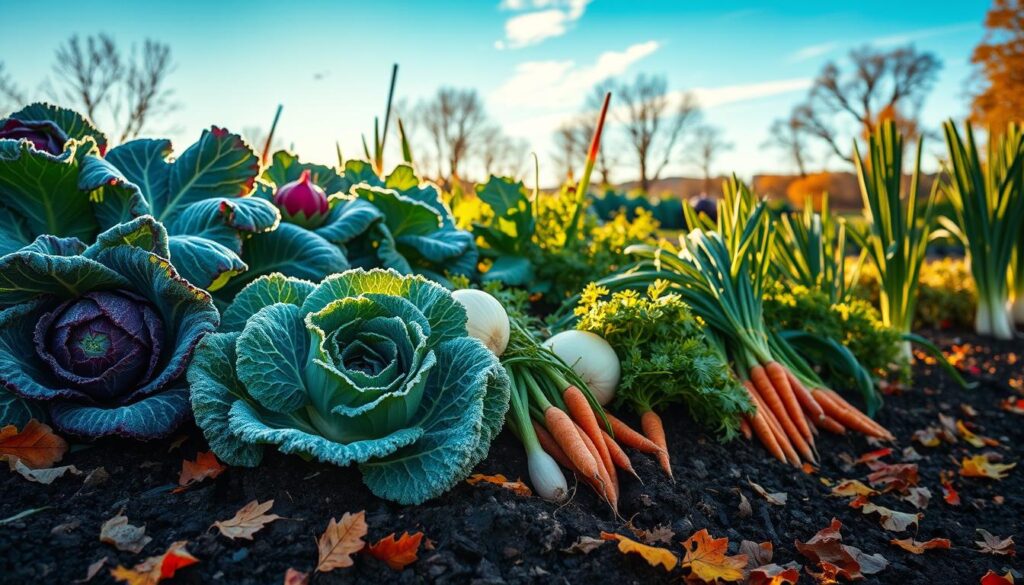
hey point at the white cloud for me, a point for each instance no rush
(710, 97)
(812, 51)
(924, 33)
(563, 84)
(547, 19)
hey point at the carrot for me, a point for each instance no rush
(582, 413)
(607, 487)
(779, 377)
(832, 425)
(867, 420)
(761, 428)
(846, 415)
(547, 442)
(812, 408)
(630, 438)
(568, 438)
(650, 422)
(745, 429)
(774, 404)
(619, 457)
(773, 424)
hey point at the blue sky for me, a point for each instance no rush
(531, 60)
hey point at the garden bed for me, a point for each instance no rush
(487, 534)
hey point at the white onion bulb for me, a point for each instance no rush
(592, 358)
(487, 319)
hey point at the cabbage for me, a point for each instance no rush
(373, 368)
(99, 337)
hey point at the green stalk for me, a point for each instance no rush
(406, 149)
(380, 139)
(584, 184)
(265, 155)
(337, 151)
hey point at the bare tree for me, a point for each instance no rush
(94, 75)
(501, 154)
(789, 136)
(879, 85)
(11, 95)
(571, 143)
(708, 143)
(654, 124)
(453, 119)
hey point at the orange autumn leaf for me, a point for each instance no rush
(772, 574)
(708, 562)
(853, 487)
(654, 555)
(340, 541)
(993, 578)
(980, 466)
(874, 455)
(500, 480)
(247, 521)
(205, 466)
(155, 569)
(36, 445)
(396, 553)
(973, 439)
(1014, 405)
(912, 546)
(949, 494)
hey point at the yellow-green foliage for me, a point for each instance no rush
(946, 296)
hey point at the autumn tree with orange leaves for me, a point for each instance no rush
(1000, 61)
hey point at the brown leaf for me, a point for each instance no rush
(247, 521)
(896, 476)
(122, 535)
(516, 486)
(36, 445)
(918, 497)
(584, 545)
(758, 554)
(396, 553)
(874, 455)
(981, 466)
(995, 545)
(744, 509)
(340, 541)
(45, 476)
(853, 487)
(654, 555)
(205, 466)
(775, 498)
(708, 562)
(155, 569)
(295, 577)
(659, 534)
(772, 574)
(892, 520)
(92, 571)
(912, 546)
(826, 549)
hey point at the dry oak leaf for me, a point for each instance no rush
(894, 476)
(155, 569)
(45, 475)
(775, 498)
(205, 466)
(708, 562)
(295, 577)
(826, 548)
(659, 534)
(995, 545)
(993, 578)
(36, 445)
(912, 546)
(757, 553)
(980, 466)
(340, 541)
(654, 555)
(516, 486)
(583, 545)
(248, 521)
(396, 553)
(123, 536)
(892, 520)
(772, 574)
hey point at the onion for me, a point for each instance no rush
(487, 319)
(592, 358)
(545, 475)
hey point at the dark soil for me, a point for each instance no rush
(485, 534)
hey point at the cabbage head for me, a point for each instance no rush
(368, 367)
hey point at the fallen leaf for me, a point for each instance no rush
(659, 534)
(92, 571)
(918, 497)
(949, 494)
(853, 487)
(743, 509)
(895, 476)
(396, 553)
(584, 545)
(980, 466)
(772, 574)
(968, 410)
(892, 520)
(927, 437)
(340, 541)
(758, 554)
(708, 562)
(826, 549)
(1014, 405)
(36, 445)
(994, 545)
(973, 439)
(122, 535)
(993, 578)
(859, 502)
(155, 569)
(775, 498)
(45, 476)
(912, 546)
(654, 555)
(516, 486)
(874, 455)
(96, 477)
(295, 577)
(205, 466)
(247, 521)
(808, 468)
(910, 454)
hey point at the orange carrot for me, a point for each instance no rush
(745, 429)
(630, 438)
(832, 425)
(761, 428)
(867, 420)
(812, 408)
(568, 438)
(608, 487)
(583, 414)
(779, 377)
(650, 422)
(619, 457)
(773, 424)
(846, 415)
(547, 442)
(771, 399)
